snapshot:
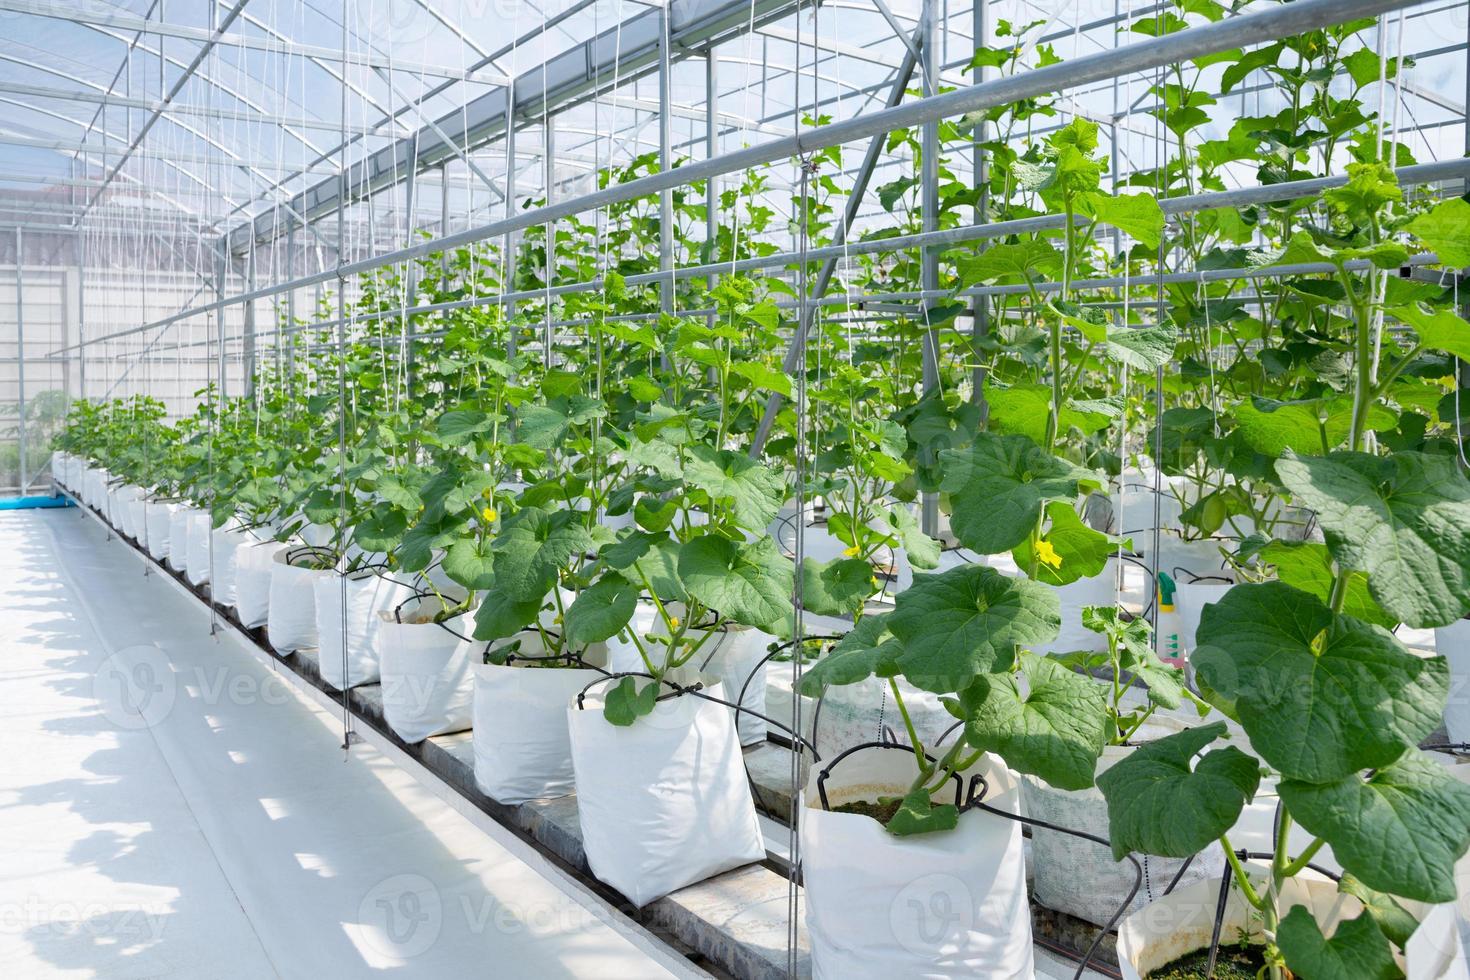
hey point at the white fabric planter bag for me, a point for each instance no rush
(197, 562)
(1180, 923)
(367, 595)
(156, 514)
(1453, 643)
(1133, 513)
(522, 748)
(663, 802)
(1176, 555)
(1099, 591)
(252, 567)
(290, 622)
(137, 516)
(227, 542)
(122, 508)
(178, 536)
(1190, 599)
(949, 904)
(427, 672)
(1080, 878)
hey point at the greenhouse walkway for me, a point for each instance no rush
(172, 808)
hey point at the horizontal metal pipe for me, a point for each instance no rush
(1194, 42)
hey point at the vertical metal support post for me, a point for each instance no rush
(548, 132)
(980, 309)
(221, 270)
(410, 269)
(929, 256)
(81, 257)
(665, 162)
(248, 356)
(444, 224)
(20, 361)
(711, 150)
(509, 244)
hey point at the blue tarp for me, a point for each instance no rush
(26, 503)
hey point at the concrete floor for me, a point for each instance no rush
(169, 807)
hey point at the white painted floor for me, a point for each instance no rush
(169, 807)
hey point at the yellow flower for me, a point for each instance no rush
(852, 552)
(673, 622)
(1048, 555)
(488, 515)
(485, 493)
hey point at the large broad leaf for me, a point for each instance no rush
(1023, 409)
(1069, 550)
(601, 611)
(918, 815)
(630, 699)
(1272, 427)
(1137, 215)
(1358, 950)
(1321, 696)
(835, 588)
(748, 583)
(500, 616)
(1143, 348)
(1399, 831)
(867, 650)
(1446, 229)
(968, 621)
(1203, 799)
(1440, 330)
(1307, 565)
(1056, 730)
(997, 487)
(922, 550)
(1019, 262)
(1404, 520)
(457, 427)
(752, 490)
(533, 548)
(381, 530)
(469, 561)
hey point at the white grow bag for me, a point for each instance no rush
(427, 673)
(252, 568)
(663, 802)
(1453, 643)
(949, 904)
(197, 563)
(367, 595)
(179, 523)
(228, 540)
(291, 619)
(1079, 877)
(137, 515)
(1182, 922)
(1190, 599)
(522, 748)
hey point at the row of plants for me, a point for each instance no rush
(577, 489)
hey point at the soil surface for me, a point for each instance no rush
(882, 811)
(1233, 963)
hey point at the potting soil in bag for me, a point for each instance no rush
(367, 595)
(663, 802)
(290, 622)
(427, 673)
(522, 749)
(950, 904)
(253, 564)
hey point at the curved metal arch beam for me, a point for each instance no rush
(162, 197)
(206, 77)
